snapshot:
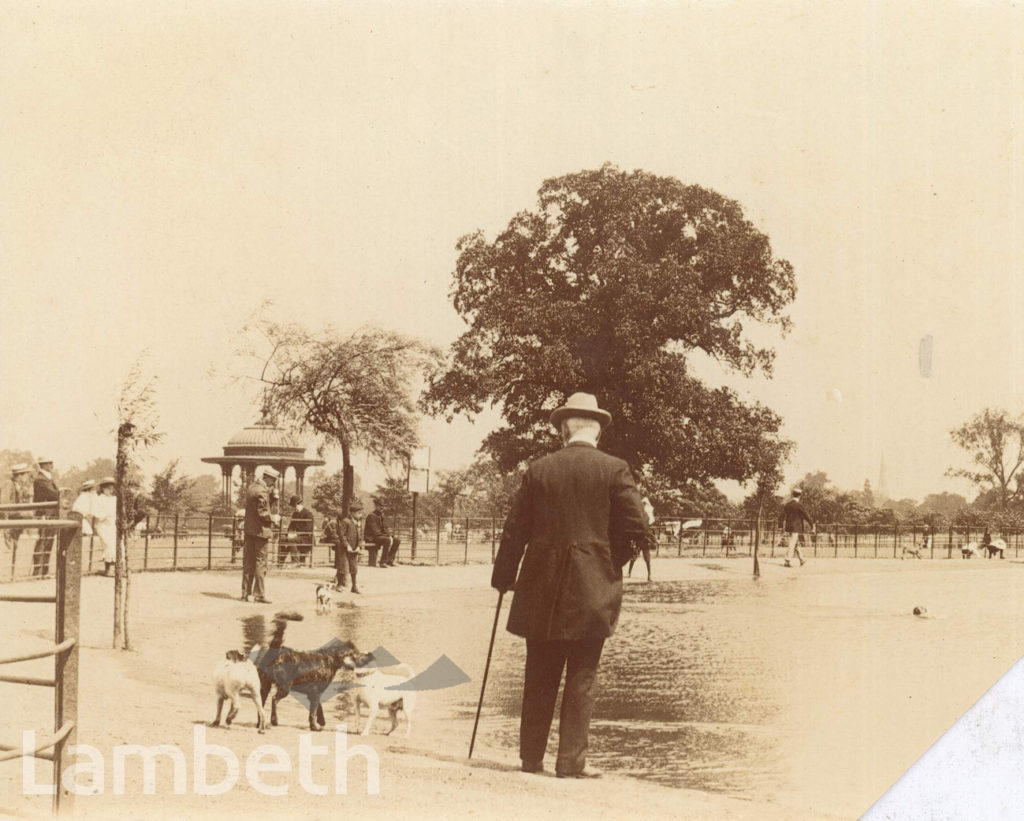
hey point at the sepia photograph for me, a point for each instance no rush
(492, 410)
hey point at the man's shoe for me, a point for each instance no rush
(786, 563)
(245, 597)
(803, 562)
(586, 772)
(263, 601)
(533, 767)
(356, 590)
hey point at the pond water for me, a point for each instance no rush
(818, 689)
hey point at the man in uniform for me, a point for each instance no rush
(259, 524)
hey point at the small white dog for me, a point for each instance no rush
(374, 694)
(324, 596)
(233, 677)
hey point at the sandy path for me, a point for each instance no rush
(183, 623)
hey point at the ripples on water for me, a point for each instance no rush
(674, 703)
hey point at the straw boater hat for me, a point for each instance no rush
(796, 492)
(22, 467)
(580, 404)
(106, 480)
(273, 474)
(88, 484)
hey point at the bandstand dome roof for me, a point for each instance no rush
(261, 437)
(263, 444)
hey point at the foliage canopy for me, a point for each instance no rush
(609, 286)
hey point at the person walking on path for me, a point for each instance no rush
(572, 525)
(376, 534)
(649, 543)
(792, 519)
(346, 552)
(44, 489)
(259, 523)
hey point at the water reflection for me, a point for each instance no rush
(675, 701)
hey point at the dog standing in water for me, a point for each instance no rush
(324, 597)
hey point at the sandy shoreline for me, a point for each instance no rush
(183, 623)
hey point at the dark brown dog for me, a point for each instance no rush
(309, 673)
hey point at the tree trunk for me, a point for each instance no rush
(124, 434)
(348, 478)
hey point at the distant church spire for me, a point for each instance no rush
(883, 484)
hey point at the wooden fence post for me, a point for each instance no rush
(65, 664)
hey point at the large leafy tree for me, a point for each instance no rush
(357, 391)
(994, 442)
(610, 285)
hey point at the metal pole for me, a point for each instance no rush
(895, 538)
(437, 543)
(856, 528)
(209, 542)
(145, 548)
(487, 667)
(174, 559)
(415, 496)
(465, 556)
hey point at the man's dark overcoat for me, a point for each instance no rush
(576, 516)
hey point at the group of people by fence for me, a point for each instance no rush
(344, 535)
(32, 493)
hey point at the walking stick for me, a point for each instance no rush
(487, 667)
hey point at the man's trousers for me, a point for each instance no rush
(254, 566)
(545, 661)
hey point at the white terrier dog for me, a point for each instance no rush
(374, 694)
(324, 596)
(233, 677)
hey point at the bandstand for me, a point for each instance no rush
(262, 445)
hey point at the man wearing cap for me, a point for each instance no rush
(792, 519)
(300, 531)
(572, 525)
(259, 523)
(19, 491)
(347, 549)
(44, 489)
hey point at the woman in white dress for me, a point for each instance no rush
(104, 512)
(83, 507)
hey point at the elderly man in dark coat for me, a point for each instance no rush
(576, 516)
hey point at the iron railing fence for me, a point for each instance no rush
(197, 541)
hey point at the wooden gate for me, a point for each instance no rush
(64, 650)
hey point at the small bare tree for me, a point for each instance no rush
(136, 427)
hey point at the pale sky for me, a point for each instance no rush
(167, 168)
